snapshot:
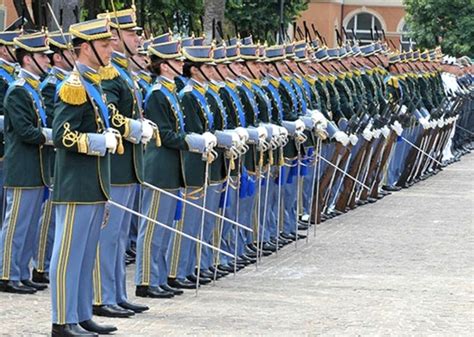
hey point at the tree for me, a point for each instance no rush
(261, 18)
(449, 23)
(214, 11)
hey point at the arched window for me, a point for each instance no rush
(360, 24)
(405, 39)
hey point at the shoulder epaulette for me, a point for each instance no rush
(156, 86)
(108, 72)
(187, 88)
(19, 82)
(72, 91)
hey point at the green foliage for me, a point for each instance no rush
(262, 18)
(449, 23)
(179, 15)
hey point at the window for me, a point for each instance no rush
(405, 39)
(360, 24)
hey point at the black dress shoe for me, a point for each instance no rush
(111, 310)
(219, 271)
(300, 236)
(303, 227)
(181, 283)
(92, 326)
(136, 308)
(269, 247)
(152, 292)
(237, 266)
(34, 285)
(202, 280)
(288, 236)
(70, 330)
(225, 268)
(391, 188)
(205, 273)
(251, 253)
(40, 277)
(252, 246)
(245, 257)
(15, 287)
(172, 290)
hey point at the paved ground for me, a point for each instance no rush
(402, 266)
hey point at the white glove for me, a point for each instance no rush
(262, 132)
(377, 133)
(111, 141)
(342, 138)
(403, 110)
(397, 127)
(243, 134)
(385, 131)
(441, 122)
(318, 116)
(424, 123)
(367, 134)
(210, 140)
(283, 135)
(353, 139)
(433, 124)
(300, 126)
(147, 131)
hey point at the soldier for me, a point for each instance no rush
(199, 120)
(62, 63)
(83, 139)
(8, 67)
(27, 173)
(124, 100)
(162, 106)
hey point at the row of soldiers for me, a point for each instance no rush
(198, 159)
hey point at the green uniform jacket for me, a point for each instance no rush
(195, 121)
(78, 177)
(127, 168)
(218, 166)
(26, 161)
(164, 165)
(9, 70)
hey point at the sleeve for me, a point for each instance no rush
(129, 128)
(288, 114)
(192, 117)
(67, 120)
(159, 112)
(22, 121)
(48, 93)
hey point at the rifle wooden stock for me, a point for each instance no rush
(337, 173)
(383, 162)
(373, 168)
(323, 185)
(365, 162)
(348, 183)
(410, 161)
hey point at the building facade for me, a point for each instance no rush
(360, 17)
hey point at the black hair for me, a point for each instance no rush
(188, 66)
(77, 42)
(20, 55)
(56, 50)
(155, 64)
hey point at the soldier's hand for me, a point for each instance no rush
(111, 141)
(147, 131)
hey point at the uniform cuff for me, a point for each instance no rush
(95, 145)
(134, 131)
